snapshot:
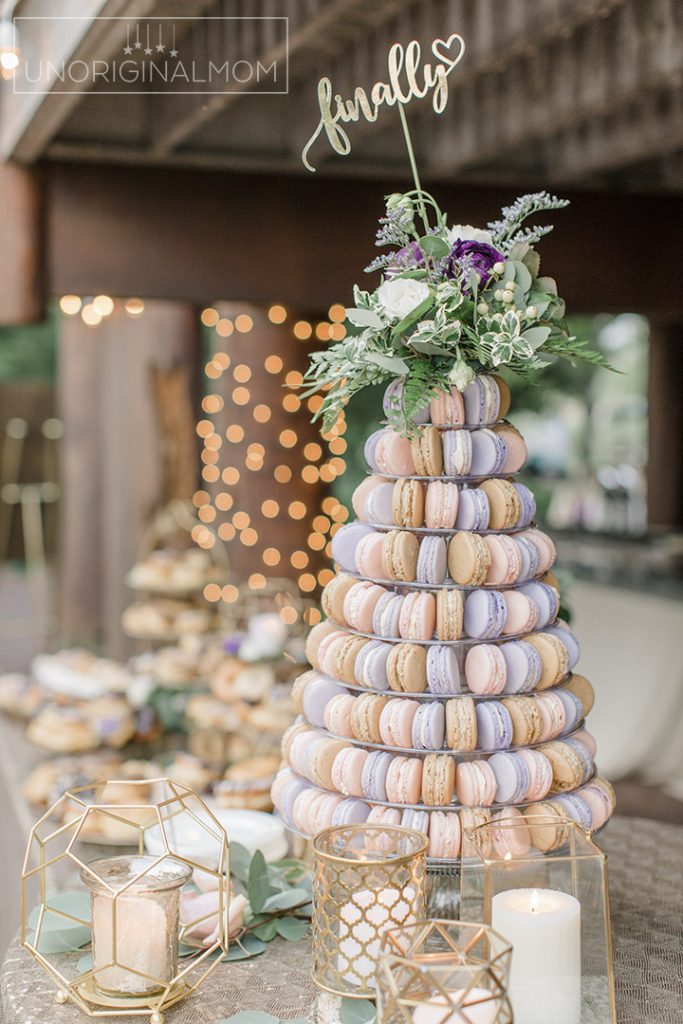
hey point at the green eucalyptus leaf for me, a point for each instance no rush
(185, 949)
(240, 859)
(285, 900)
(540, 300)
(536, 336)
(415, 275)
(519, 251)
(291, 928)
(415, 314)
(364, 318)
(251, 1017)
(428, 348)
(259, 882)
(434, 247)
(266, 931)
(59, 934)
(546, 284)
(532, 261)
(394, 364)
(249, 945)
(356, 1011)
(519, 273)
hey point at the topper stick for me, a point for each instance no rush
(413, 165)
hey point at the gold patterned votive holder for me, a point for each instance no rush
(367, 880)
(443, 972)
(541, 881)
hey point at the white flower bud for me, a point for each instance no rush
(482, 308)
(498, 295)
(510, 285)
(508, 296)
(531, 312)
(498, 267)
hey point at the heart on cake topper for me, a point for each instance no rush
(408, 79)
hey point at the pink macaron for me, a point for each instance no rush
(447, 408)
(417, 620)
(444, 835)
(384, 816)
(521, 613)
(396, 722)
(553, 714)
(510, 836)
(485, 669)
(368, 556)
(441, 505)
(540, 773)
(359, 605)
(347, 771)
(516, 446)
(393, 454)
(404, 780)
(337, 715)
(475, 784)
(322, 654)
(506, 562)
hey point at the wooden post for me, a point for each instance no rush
(270, 454)
(665, 455)
(21, 295)
(116, 466)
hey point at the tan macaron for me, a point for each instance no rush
(468, 559)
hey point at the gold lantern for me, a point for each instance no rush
(137, 907)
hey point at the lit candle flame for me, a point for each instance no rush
(508, 856)
(534, 902)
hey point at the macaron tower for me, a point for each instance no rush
(442, 690)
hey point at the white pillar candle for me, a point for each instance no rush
(478, 1008)
(362, 923)
(143, 943)
(544, 928)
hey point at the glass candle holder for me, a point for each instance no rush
(542, 883)
(367, 879)
(443, 972)
(135, 903)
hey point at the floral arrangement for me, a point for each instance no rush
(453, 301)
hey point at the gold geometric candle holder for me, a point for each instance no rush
(131, 906)
(367, 879)
(443, 972)
(541, 882)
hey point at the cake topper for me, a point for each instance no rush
(408, 80)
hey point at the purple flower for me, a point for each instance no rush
(478, 256)
(410, 257)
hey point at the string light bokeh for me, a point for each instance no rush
(256, 431)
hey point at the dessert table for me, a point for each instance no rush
(646, 889)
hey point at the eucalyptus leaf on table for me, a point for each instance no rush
(357, 1011)
(259, 886)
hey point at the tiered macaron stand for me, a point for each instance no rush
(461, 646)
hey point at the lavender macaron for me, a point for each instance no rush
(524, 666)
(473, 510)
(512, 777)
(392, 403)
(546, 600)
(489, 453)
(529, 556)
(482, 400)
(457, 452)
(443, 671)
(432, 561)
(386, 616)
(577, 809)
(370, 666)
(573, 708)
(374, 775)
(527, 504)
(350, 812)
(418, 820)
(345, 542)
(484, 614)
(494, 726)
(429, 727)
(317, 696)
(564, 633)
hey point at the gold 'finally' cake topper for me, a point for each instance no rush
(408, 80)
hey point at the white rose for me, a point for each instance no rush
(466, 233)
(400, 296)
(461, 375)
